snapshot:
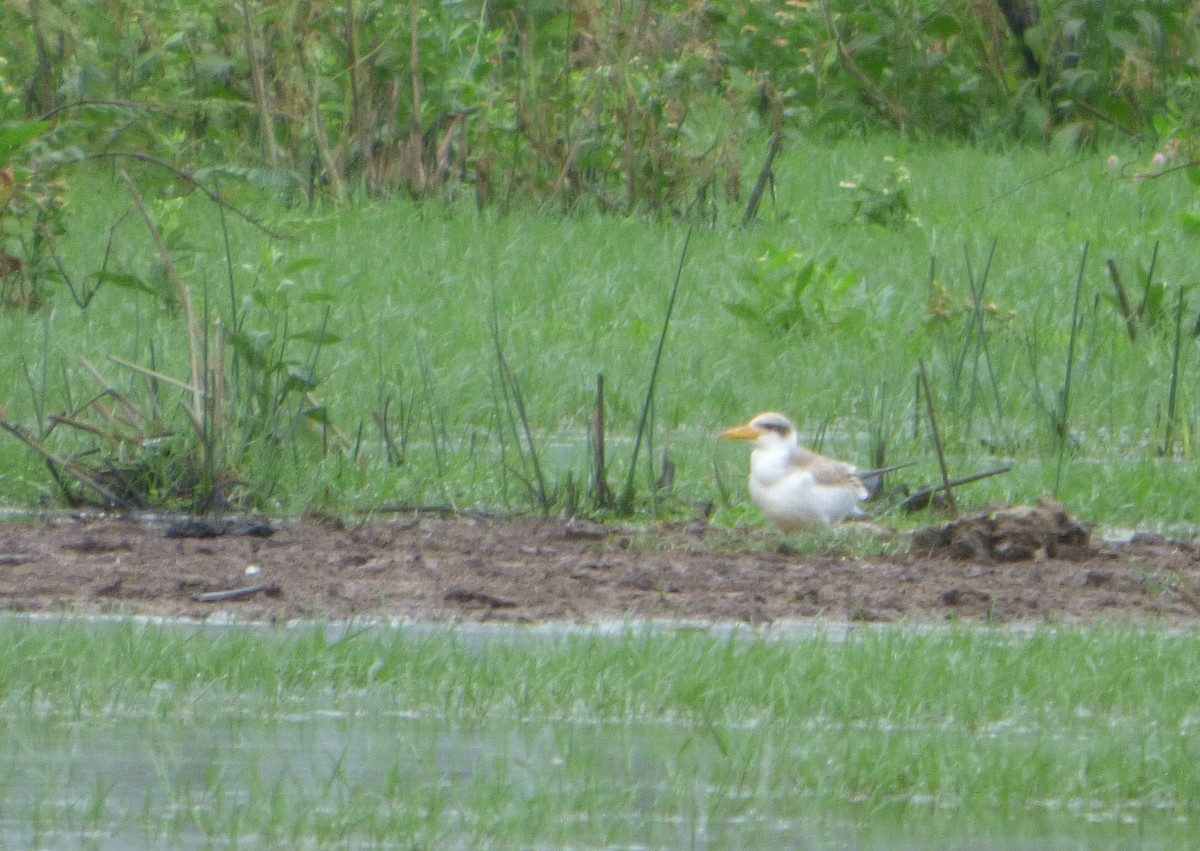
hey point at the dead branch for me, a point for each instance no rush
(71, 467)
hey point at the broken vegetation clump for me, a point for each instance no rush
(1008, 533)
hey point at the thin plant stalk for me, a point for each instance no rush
(38, 393)
(510, 384)
(499, 415)
(1149, 280)
(539, 480)
(1064, 408)
(1127, 311)
(601, 494)
(258, 84)
(947, 485)
(765, 175)
(627, 496)
(1174, 375)
(427, 387)
(982, 342)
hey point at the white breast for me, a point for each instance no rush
(791, 498)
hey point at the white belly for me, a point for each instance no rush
(796, 501)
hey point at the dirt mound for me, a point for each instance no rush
(1008, 533)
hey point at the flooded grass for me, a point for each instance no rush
(126, 735)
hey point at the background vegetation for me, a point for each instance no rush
(629, 105)
(174, 179)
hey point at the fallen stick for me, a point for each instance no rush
(237, 593)
(920, 499)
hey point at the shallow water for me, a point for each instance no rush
(383, 778)
(367, 770)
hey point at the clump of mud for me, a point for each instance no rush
(1008, 533)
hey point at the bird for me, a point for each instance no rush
(794, 486)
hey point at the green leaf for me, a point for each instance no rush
(268, 300)
(251, 345)
(300, 378)
(317, 337)
(741, 310)
(319, 414)
(17, 136)
(1190, 219)
(127, 282)
(301, 263)
(941, 25)
(1068, 137)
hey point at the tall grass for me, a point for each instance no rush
(410, 291)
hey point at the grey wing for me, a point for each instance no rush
(831, 472)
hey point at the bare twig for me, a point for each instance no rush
(764, 177)
(80, 425)
(105, 102)
(237, 593)
(157, 376)
(74, 469)
(191, 181)
(921, 498)
(882, 102)
(130, 408)
(1183, 166)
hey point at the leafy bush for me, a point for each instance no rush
(629, 106)
(787, 292)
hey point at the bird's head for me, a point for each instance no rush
(764, 430)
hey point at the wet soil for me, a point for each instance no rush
(453, 568)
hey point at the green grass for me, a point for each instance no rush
(411, 290)
(660, 738)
